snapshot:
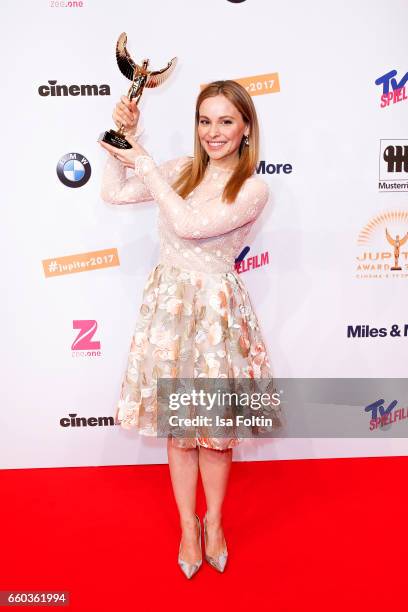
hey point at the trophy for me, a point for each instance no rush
(141, 77)
(396, 242)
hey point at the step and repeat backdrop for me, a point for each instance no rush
(326, 266)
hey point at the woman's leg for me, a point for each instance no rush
(214, 468)
(183, 464)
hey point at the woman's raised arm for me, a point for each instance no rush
(117, 188)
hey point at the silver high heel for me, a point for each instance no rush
(218, 562)
(189, 569)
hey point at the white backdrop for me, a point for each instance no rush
(325, 120)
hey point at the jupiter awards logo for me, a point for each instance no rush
(383, 247)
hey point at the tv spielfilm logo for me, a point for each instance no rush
(393, 171)
(383, 246)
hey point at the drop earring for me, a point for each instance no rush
(246, 141)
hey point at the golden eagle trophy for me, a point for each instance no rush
(141, 77)
(396, 242)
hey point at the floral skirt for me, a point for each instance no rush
(191, 324)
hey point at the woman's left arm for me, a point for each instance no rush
(216, 218)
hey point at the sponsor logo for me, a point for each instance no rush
(264, 168)
(259, 84)
(66, 3)
(381, 247)
(398, 91)
(384, 416)
(83, 345)
(244, 264)
(73, 420)
(52, 89)
(366, 331)
(74, 170)
(80, 262)
(393, 174)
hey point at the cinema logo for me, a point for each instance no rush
(393, 171)
(381, 243)
(398, 89)
(52, 89)
(245, 264)
(84, 345)
(258, 85)
(73, 420)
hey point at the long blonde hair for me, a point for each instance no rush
(193, 172)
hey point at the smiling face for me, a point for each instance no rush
(220, 129)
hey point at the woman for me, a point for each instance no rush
(196, 319)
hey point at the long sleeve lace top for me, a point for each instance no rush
(199, 232)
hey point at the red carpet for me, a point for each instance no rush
(302, 535)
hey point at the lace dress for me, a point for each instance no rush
(196, 318)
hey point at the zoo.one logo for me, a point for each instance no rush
(84, 345)
(74, 170)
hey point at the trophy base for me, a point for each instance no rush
(396, 268)
(116, 140)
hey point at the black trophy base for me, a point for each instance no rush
(116, 140)
(396, 268)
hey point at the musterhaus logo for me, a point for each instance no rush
(84, 345)
(393, 91)
(74, 170)
(54, 89)
(393, 174)
(381, 253)
(265, 167)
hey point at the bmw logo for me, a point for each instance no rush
(74, 170)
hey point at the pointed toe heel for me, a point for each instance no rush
(190, 569)
(220, 561)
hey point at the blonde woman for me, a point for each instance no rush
(196, 319)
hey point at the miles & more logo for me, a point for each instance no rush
(265, 168)
(367, 331)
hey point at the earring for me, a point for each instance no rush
(246, 141)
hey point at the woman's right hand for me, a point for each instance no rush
(126, 113)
